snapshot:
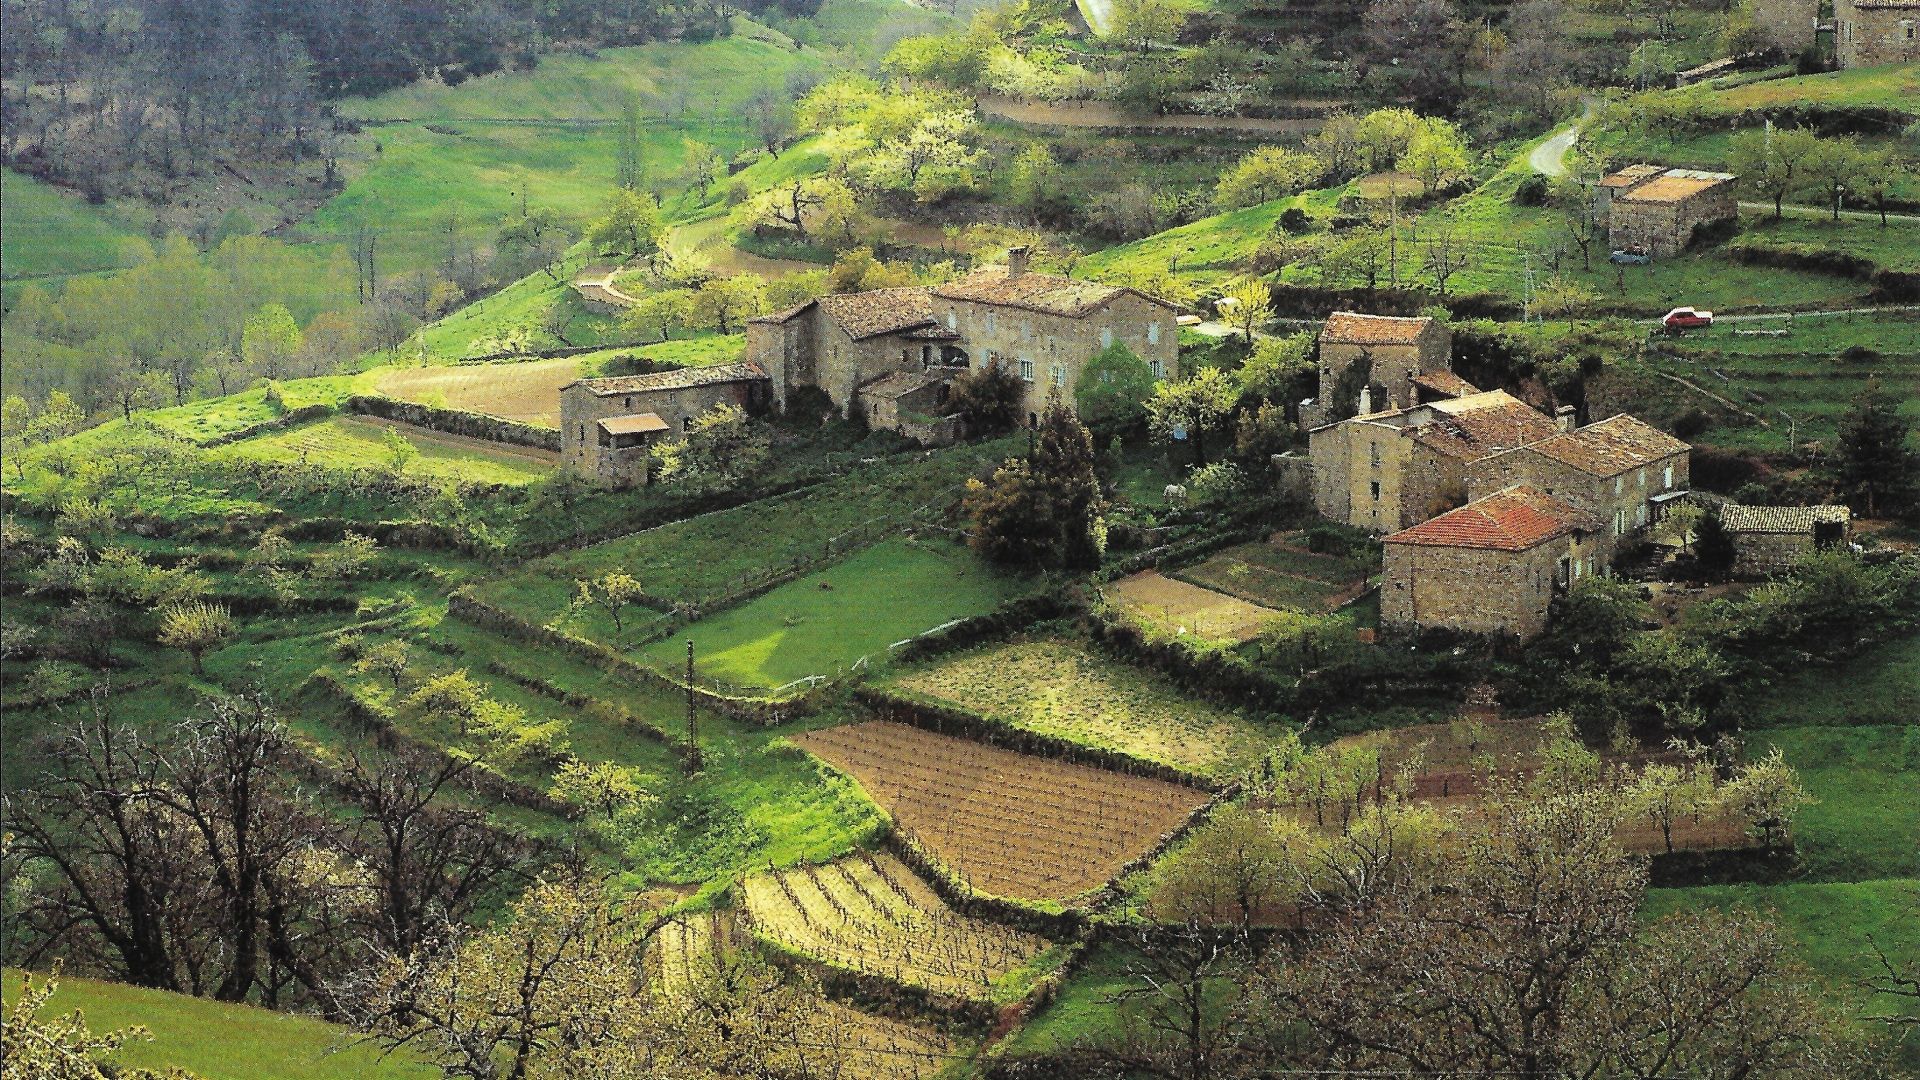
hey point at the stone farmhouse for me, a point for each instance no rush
(609, 425)
(1490, 567)
(1868, 32)
(1657, 208)
(889, 354)
(1388, 362)
(1392, 470)
(1768, 539)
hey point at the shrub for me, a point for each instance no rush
(1294, 220)
(1532, 191)
(1856, 354)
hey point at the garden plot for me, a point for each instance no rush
(348, 443)
(1059, 687)
(825, 622)
(528, 392)
(871, 914)
(1010, 824)
(687, 949)
(879, 1048)
(1278, 576)
(1182, 608)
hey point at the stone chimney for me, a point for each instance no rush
(1563, 418)
(1366, 400)
(1017, 260)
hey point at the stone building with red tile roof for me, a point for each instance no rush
(1620, 472)
(608, 426)
(1380, 362)
(1491, 567)
(1043, 327)
(1393, 469)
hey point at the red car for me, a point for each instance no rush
(1686, 318)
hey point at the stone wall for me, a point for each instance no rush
(1055, 347)
(581, 410)
(1878, 33)
(1787, 24)
(1760, 554)
(1473, 590)
(1664, 228)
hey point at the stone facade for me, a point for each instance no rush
(1392, 470)
(1491, 567)
(1790, 25)
(608, 426)
(1395, 352)
(1770, 539)
(1657, 211)
(1869, 32)
(1041, 326)
(1618, 472)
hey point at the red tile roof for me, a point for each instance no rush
(1445, 382)
(1517, 519)
(1353, 328)
(1611, 446)
(1477, 433)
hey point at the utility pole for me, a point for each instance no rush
(693, 713)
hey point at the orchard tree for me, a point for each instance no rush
(1265, 174)
(612, 593)
(629, 226)
(37, 1047)
(195, 628)
(721, 449)
(16, 418)
(1197, 404)
(396, 451)
(1833, 167)
(389, 658)
(1142, 25)
(270, 340)
(1775, 163)
(1436, 154)
(1251, 304)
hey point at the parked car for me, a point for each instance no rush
(1630, 256)
(1686, 318)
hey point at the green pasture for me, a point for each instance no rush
(1210, 249)
(51, 233)
(212, 418)
(823, 622)
(1865, 820)
(1876, 687)
(219, 1041)
(1889, 86)
(345, 443)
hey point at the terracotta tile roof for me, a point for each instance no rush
(637, 424)
(679, 379)
(1477, 433)
(1516, 519)
(882, 311)
(1676, 186)
(1353, 328)
(784, 316)
(1611, 446)
(1631, 175)
(1445, 382)
(896, 385)
(1049, 294)
(1781, 519)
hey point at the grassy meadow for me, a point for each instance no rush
(348, 443)
(51, 233)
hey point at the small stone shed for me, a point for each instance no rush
(1657, 208)
(1491, 567)
(1768, 539)
(1869, 32)
(608, 425)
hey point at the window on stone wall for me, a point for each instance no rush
(1373, 452)
(1619, 484)
(1159, 369)
(1026, 369)
(992, 321)
(1153, 333)
(1667, 478)
(1376, 490)
(1060, 375)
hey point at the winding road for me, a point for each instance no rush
(1550, 157)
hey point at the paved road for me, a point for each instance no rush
(1099, 15)
(1550, 157)
(1763, 316)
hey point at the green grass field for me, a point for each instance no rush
(821, 623)
(346, 443)
(218, 1041)
(1879, 688)
(212, 418)
(51, 233)
(1865, 821)
(1208, 250)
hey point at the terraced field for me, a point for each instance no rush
(352, 443)
(1060, 687)
(1276, 577)
(684, 950)
(1179, 607)
(881, 1048)
(871, 914)
(1010, 824)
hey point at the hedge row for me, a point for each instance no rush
(291, 418)
(1010, 618)
(591, 706)
(386, 735)
(472, 425)
(1817, 260)
(547, 354)
(767, 711)
(946, 720)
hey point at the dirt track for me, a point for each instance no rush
(1104, 116)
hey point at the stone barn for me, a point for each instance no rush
(1869, 32)
(1491, 567)
(608, 426)
(1043, 327)
(1397, 354)
(1658, 209)
(1768, 539)
(1789, 25)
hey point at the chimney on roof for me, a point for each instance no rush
(1017, 260)
(1366, 400)
(1563, 418)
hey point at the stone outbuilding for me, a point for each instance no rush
(1657, 209)
(1043, 327)
(608, 426)
(1791, 26)
(1383, 360)
(1491, 567)
(1619, 472)
(1869, 32)
(1391, 470)
(1769, 539)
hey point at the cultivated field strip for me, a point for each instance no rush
(871, 914)
(879, 1048)
(1011, 824)
(686, 949)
